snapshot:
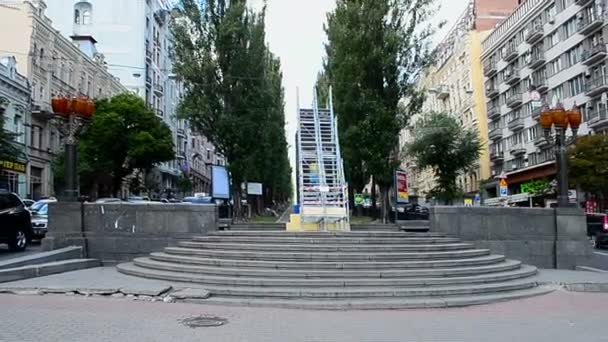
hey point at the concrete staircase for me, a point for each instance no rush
(339, 270)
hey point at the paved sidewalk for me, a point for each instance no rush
(560, 316)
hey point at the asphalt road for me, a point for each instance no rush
(31, 249)
(600, 258)
(560, 316)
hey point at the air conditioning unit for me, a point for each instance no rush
(551, 20)
(587, 73)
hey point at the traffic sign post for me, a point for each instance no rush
(504, 188)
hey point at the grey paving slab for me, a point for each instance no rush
(96, 280)
(565, 277)
(558, 317)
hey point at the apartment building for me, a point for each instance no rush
(134, 37)
(15, 100)
(53, 65)
(555, 48)
(455, 85)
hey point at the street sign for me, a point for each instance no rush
(572, 196)
(504, 188)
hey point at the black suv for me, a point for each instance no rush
(15, 222)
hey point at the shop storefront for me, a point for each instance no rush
(13, 177)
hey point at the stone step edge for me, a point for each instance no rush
(359, 233)
(369, 292)
(331, 265)
(147, 262)
(330, 248)
(130, 268)
(323, 240)
(44, 269)
(378, 303)
(265, 255)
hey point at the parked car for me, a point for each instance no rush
(198, 200)
(28, 202)
(597, 229)
(15, 222)
(40, 218)
(108, 200)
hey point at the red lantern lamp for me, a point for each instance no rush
(574, 117)
(60, 105)
(546, 118)
(560, 117)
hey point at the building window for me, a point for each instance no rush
(83, 13)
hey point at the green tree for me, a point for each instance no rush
(233, 92)
(588, 164)
(376, 51)
(185, 184)
(442, 144)
(124, 136)
(8, 150)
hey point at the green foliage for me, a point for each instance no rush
(375, 52)
(233, 89)
(444, 145)
(185, 184)
(123, 136)
(8, 150)
(588, 163)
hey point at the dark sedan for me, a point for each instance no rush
(15, 222)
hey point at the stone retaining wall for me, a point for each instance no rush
(118, 232)
(546, 238)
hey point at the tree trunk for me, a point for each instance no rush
(374, 201)
(384, 203)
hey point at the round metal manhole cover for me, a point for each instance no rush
(204, 321)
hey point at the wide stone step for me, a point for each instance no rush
(132, 269)
(324, 248)
(325, 274)
(323, 240)
(379, 303)
(326, 256)
(329, 265)
(369, 292)
(325, 234)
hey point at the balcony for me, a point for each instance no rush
(148, 54)
(599, 119)
(589, 23)
(517, 150)
(489, 69)
(514, 100)
(491, 91)
(596, 85)
(537, 59)
(443, 92)
(158, 89)
(497, 157)
(535, 33)
(582, 2)
(594, 54)
(495, 134)
(493, 113)
(181, 132)
(160, 113)
(540, 83)
(536, 114)
(148, 81)
(511, 53)
(540, 141)
(512, 77)
(41, 110)
(516, 124)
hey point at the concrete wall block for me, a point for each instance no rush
(64, 217)
(571, 227)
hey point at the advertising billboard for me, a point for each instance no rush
(220, 182)
(401, 186)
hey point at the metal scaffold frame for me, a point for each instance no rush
(323, 193)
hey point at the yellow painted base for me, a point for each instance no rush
(295, 225)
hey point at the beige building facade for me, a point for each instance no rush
(455, 85)
(53, 65)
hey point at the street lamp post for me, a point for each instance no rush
(72, 115)
(560, 119)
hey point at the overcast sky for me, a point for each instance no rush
(295, 33)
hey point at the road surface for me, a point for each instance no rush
(31, 249)
(600, 258)
(560, 316)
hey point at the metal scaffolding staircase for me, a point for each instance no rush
(322, 189)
